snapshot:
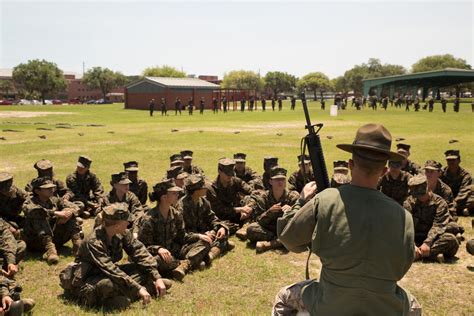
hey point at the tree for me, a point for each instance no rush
(437, 62)
(242, 79)
(340, 84)
(103, 79)
(314, 81)
(6, 86)
(39, 77)
(163, 71)
(279, 82)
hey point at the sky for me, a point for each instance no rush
(212, 38)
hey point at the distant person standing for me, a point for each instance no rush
(264, 103)
(273, 103)
(164, 109)
(224, 104)
(385, 103)
(456, 104)
(293, 102)
(242, 104)
(251, 102)
(151, 105)
(215, 108)
(177, 106)
(431, 104)
(201, 106)
(190, 106)
(443, 104)
(323, 104)
(417, 104)
(280, 103)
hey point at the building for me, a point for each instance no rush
(139, 93)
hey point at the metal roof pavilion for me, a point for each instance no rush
(412, 82)
(177, 82)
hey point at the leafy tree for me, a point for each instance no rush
(279, 82)
(242, 79)
(340, 84)
(6, 86)
(314, 81)
(39, 77)
(437, 62)
(163, 71)
(103, 79)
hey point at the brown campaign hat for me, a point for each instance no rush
(130, 166)
(452, 154)
(176, 158)
(43, 164)
(43, 183)
(269, 162)
(117, 212)
(187, 154)
(173, 172)
(195, 182)
(227, 165)
(278, 173)
(433, 165)
(305, 159)
(120, 178)
(372, 138)
(166, 185)
(240, 157)
(340, 165)
(84, 162)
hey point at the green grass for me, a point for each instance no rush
(241, 282)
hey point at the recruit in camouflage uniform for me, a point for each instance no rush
(341, 173)
(459, 180)
(162, 231)
(268, 164)
(179, 176)
(12, 251)
(11, 202)
(246, 174)
(50, 221)
(96, 278)
(407, 165)
(187, 163)
(200, 222)
(44, 168)
(120, 193)
(227, 195)
(267, 208)
(394, 183)
(433, 170)
(303, 175)
(11, 302)
(86, 187)
(138, 186)
(430, 219)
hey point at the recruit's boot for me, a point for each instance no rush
(202, 266)
(242, 233)
(51, 255)
(179, 273)
(214, 253)
(76, 243)
(167, 283)
(230, 245)
(465, 212)
(440, 258)
(263, 246)
(17, 308)
(28, 304)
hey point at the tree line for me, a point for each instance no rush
(41, 78)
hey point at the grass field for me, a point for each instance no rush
(241, 282)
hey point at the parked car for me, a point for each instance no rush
(57, 102)
(91, 102)
(6, 102)
(75, 101)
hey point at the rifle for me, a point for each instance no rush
(312, 142)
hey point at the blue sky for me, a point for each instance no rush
(216, 37)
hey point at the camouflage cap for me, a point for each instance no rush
(278, 173)
(340, 178)
(6, 181)
(42, 183)
(269, 162)
(452, 154)
(43, 164)
(340, 165)
(187, 154)
(176, 158)
(182, 175)
(402, 152)
(166, 185)
(84, 162)
(117, 212)
(173, 172)
(195, 182)
(240, 157)
(120, 178)
(130, 166)
(419, 179)
(404, 146)
(227, 165)
(305, 158)
(433, 165)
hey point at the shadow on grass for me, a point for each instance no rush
(68, 299)
(36, 255)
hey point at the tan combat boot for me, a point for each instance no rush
(179, 273)
(51, 255)
(76, 243)
(230, 245)
(214, 253)
(167, 282)
(242, 233)
(263, 246)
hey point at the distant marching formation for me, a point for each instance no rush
(191, 220)
(358, 102)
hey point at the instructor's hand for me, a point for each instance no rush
(308, 191)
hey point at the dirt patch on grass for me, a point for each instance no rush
(27, 114)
